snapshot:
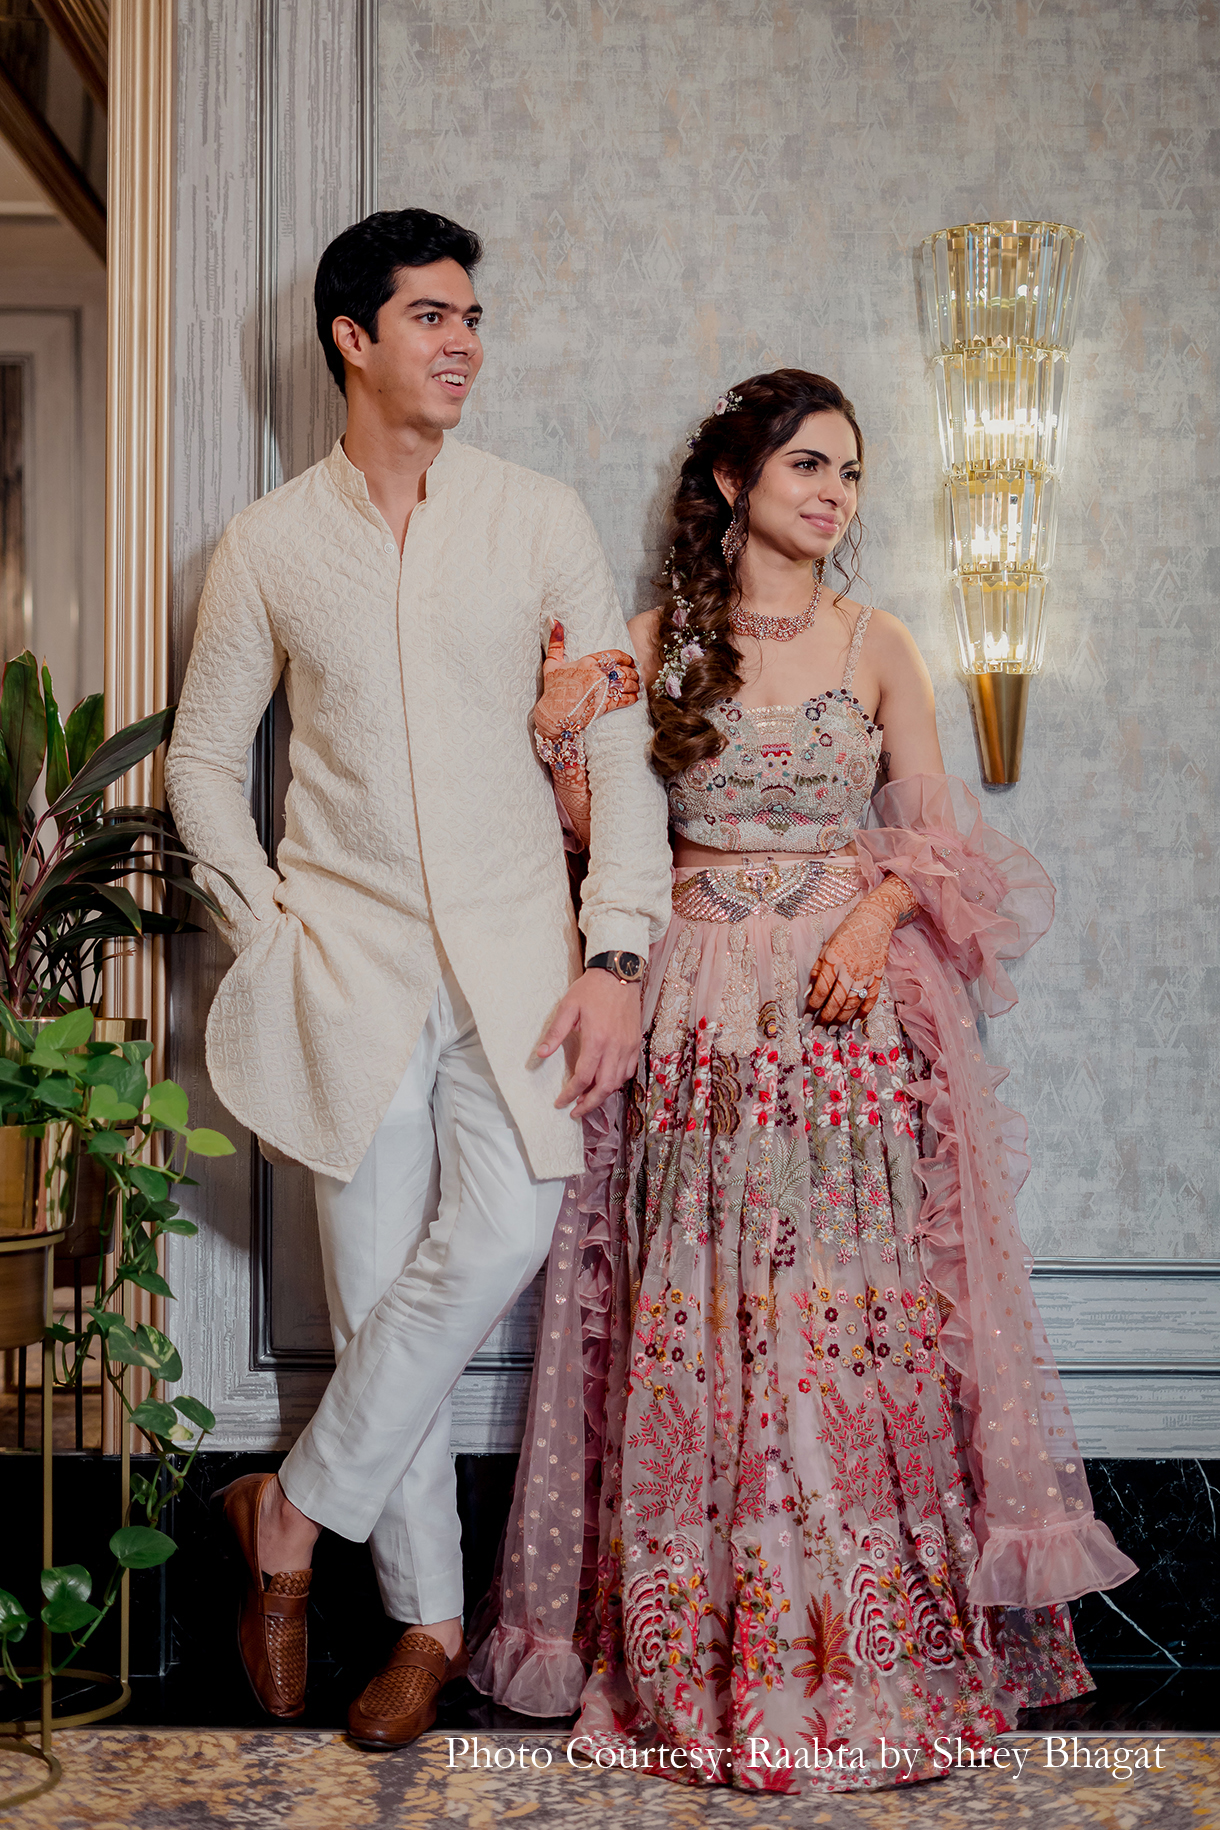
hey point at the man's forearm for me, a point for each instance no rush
(626, 898)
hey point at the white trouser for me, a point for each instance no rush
(419, 1267)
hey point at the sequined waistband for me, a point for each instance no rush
(785, 890)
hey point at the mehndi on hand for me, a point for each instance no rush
(574, 693)
(844, 984)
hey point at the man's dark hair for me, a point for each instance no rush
(359, 271)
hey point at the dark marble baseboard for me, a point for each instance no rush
(1151, 1645)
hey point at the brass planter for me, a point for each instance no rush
(37, 1196)
(23, 1286)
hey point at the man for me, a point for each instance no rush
(408, 975)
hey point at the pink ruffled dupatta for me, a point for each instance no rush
(983, 901)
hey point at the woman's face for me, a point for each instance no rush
(806, 494)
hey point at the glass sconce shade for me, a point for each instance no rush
(1005, 407)
(1002, 299)
(1000, 521)
(1000, 625)
(1003, 283)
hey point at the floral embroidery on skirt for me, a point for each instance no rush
(785, 1536)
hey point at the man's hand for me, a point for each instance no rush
(606, 1013)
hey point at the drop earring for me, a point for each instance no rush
(733, 538)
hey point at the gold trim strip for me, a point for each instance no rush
(139, 409)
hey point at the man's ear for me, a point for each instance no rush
(351, 340)
(728, 485)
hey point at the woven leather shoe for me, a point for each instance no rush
(399, 1704)
(271, 1623)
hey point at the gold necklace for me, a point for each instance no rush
(774, 628)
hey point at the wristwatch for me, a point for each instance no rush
(628, 967)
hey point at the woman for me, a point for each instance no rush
(840, 1508)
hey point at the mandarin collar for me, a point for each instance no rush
(353, 484)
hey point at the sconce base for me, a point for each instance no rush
(998, 702)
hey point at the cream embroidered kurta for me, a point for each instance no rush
(419, 821)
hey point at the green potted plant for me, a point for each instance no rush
(63, 905)
(57, 1076)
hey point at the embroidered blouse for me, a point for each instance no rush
(790, 777)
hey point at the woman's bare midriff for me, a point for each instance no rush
(688, 855)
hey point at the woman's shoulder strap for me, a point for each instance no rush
(853, 653)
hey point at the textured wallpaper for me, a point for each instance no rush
(676, 196)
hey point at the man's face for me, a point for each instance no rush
(427, 354)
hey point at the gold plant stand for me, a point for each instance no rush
(26, 1313)
(15, 1322)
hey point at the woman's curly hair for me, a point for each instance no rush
(767, 414)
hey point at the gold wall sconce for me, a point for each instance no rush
(1001, 298)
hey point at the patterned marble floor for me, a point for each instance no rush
(176, 1779)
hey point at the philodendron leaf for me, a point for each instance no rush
(59, 771)
(160, 1355)
(69, 1579)
(107, 1143)
(168, 1105)
(69, 1616)
(122, 1348)
(150, 1182)
(151, 1281)
(105, 1107)
(68, 1606)
(58, 1091)
(141, 1547)
(109, 1321)
(208, 1143)
(127, 1078)
(146, 1347)
(151, 1415)
(195, 1412)
(69, 1031)
(13, 1618)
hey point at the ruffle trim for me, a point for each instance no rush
(987, 897)
(1061, 1562)
(525, 1671)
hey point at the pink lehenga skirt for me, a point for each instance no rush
(767, 1572)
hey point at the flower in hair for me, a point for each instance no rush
(677, 656)
(728, 403)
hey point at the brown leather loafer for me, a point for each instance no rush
(271, 1622)
(399, 1704)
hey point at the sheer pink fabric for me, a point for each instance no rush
(983, 902)
(528, 1660)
